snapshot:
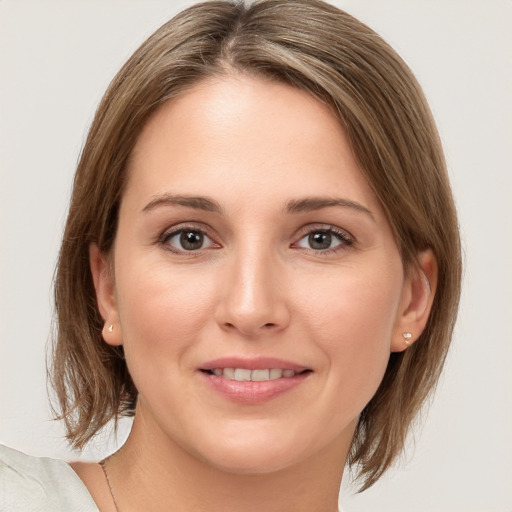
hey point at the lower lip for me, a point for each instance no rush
(253, 392)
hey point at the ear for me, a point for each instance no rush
(104, 285)
(416, 302)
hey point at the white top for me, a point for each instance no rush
(40, 484)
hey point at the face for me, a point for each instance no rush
(257, 288)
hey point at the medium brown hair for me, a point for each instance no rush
(312, 46)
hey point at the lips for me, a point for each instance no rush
(258, 375)
(253, 381)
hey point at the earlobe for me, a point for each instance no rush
(417, 299)
(105, 295)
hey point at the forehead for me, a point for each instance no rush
(247, 135)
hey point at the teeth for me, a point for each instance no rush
(228, 372)
(276, 373)
(245, 375)
(260, 375)
(242, 374)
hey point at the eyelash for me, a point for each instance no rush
(184, 228)
(343, 237)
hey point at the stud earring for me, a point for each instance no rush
(110, 327)
(407, 337)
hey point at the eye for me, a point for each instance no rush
(324, 240)
(188, 239)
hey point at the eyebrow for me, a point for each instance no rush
(196, 202)
(306, 204)
(309, 204)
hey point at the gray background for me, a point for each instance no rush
(56, 59)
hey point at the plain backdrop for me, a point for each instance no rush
(56, 59)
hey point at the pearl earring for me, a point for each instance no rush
(407, 338)
(111, 328)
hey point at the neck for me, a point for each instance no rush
(153, 473)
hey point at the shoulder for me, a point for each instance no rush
(40, 484)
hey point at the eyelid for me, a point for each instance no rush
(174, 230)
(348, 240)
(307, 229)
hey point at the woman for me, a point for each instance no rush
(261, 263)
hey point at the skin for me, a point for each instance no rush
(257, 287)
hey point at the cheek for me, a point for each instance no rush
(161, 312)
(352, 321)
(358, 305)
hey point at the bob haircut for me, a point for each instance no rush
(312, 46)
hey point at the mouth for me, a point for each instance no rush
(253, 381)
(255, 375)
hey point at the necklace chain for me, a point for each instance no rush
(104, 468)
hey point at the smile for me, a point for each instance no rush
(257, 375)
(253, 381)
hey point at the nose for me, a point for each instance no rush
(253, 299)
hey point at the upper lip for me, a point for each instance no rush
(254, 363)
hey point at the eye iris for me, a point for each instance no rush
(320, 240)
(191, 240)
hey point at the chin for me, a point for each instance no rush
(256, 450)
(253, 461)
